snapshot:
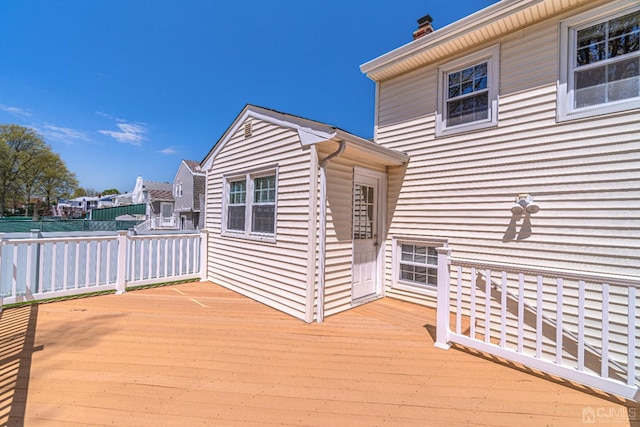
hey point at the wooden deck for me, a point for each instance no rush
(198, 354)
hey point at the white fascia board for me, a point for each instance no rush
(465, 25)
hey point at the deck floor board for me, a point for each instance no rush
(199, 354)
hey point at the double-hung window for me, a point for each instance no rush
(468, 93)
(250, 205)
(415, 264)
(600, 62)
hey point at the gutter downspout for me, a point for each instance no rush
(323, 227)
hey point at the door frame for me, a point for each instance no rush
(381, 221)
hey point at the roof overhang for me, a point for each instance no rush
(366, 150)
(481, 27)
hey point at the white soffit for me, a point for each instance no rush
(483, 26)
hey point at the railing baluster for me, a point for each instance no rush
(28, 272)
(459, 300)
(14, 272)
(54, 266)
(520, 313)
(559, 321)
(65, 267)
(581, 314)
(539, 290)
(487, 306)
(76, 277)
(173, 256)
(98, 262)
(87, 267)
(142, 252)
(188, 242)
(604, 367)
(107, 279)
(472, 330)
(631, 337)
(158, 257)
(166, 256)
(503, 311)
(134, 244)
(150, 258)
(41, 267)
(180, 260)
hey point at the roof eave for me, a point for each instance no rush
(452, 31)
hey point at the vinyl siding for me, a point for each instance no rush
(584, 174)
(272, 273)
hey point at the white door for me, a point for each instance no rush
(364, 278)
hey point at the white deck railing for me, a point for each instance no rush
(38, 268)
(158, 223)
(577, 325)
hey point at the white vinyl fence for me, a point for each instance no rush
(38, 268)
(577, 325)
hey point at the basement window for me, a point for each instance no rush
(415, 264)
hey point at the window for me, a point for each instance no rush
(415, 263)
(363, 210)
(600, 62)
(237, 202)
(418, 264)
(468, 93)
(263, 210)
(250, 208)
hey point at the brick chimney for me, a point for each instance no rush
(424, 27)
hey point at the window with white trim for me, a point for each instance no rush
(250, 205)
(418, 264)
(415, 263)
(600, 62)
(468, 93)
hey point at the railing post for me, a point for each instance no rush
(121, 284)
(443, 305)
(204, 243)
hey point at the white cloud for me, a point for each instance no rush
(168, 151)
(129, 133)
(66, 135)
(15, 111)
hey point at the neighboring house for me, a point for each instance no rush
(78, 207)
(158, 196)
(280, 210)
(188, 195)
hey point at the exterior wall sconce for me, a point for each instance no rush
(524, 203)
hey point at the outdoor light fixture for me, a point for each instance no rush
(524, 203)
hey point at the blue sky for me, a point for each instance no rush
(125, 88)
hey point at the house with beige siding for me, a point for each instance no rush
(297, 212)
(522, 124)
(535, 99)
(502, 188)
